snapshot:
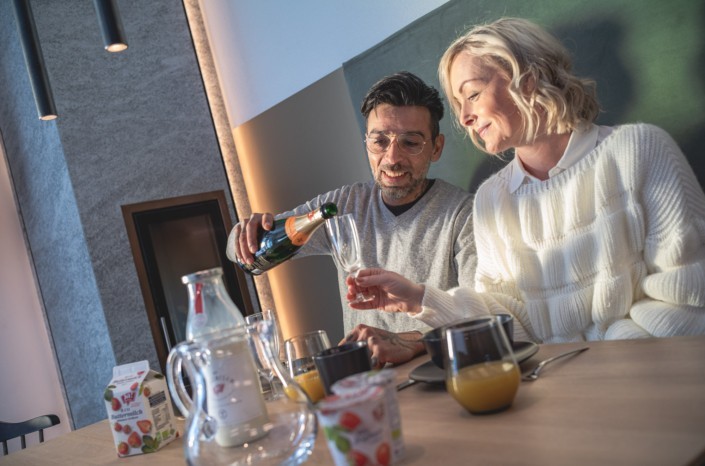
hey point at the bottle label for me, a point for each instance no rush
(199, 316)
(232, 386)
(297, 237)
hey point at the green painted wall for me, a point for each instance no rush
(647, 56)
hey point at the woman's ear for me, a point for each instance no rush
(528, 85)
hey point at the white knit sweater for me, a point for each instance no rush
(614, 247)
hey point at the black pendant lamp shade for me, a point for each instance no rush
(38, 77)
(110, 25)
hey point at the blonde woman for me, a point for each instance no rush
(590, 232)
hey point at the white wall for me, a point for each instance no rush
(27, 363)
(266, 51)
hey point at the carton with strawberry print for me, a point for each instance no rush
(139, 409)
(384, 378)
(356, 427)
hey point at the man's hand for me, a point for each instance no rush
(387, 347)
(246, 233)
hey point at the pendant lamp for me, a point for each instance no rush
(110, 25)
(38, 77)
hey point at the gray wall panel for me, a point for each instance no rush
(132, 127)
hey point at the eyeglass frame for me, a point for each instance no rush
(395, 137)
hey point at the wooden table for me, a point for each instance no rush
(637, 402)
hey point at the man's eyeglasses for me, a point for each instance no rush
(409, 143)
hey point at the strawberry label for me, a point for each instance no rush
(385, 379)
(139, 409)
(356, 427)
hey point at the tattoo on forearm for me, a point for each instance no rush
(396, 340)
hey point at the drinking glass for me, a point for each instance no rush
(300, 351)
(345, 245)
(266, 373)
(481, 371)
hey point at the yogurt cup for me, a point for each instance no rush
(385, 380)
(356, 427)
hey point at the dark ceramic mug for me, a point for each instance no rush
(341, 361)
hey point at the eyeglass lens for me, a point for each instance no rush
(411, 143)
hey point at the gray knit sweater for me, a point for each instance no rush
(611, 248)
(430, 243)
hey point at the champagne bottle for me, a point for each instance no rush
(286, 237)
(233, 390)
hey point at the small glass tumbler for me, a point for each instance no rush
(266, 375)
(300, 351)
(482, 374)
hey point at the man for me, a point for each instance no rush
(418, 227)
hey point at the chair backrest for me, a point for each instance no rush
(10, 430)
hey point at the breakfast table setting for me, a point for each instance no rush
(619, 402)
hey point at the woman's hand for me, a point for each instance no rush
(392, 292)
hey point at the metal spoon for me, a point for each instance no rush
(406, 383)
(534, 374)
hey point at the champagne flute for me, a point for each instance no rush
(345, 246)
(300, 351)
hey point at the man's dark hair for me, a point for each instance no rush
(405, 89)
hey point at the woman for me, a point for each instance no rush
(591, 232)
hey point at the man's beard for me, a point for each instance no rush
(397, 192)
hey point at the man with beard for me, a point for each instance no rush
(418, 227)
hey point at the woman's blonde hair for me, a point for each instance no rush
(539, 70)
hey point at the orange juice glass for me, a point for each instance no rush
(311, 383)
(486, 387)
(300, 350)
(481, 372)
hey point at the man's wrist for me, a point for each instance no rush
(415, 337)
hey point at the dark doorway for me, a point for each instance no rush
(174, 237)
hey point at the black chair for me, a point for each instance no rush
(10, 430)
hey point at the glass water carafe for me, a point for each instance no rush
(286, 438)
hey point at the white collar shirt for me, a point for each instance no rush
(580, 144)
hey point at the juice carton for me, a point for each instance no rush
(139, 409)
